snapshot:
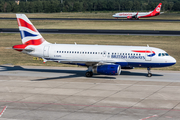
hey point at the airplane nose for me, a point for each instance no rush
(172, 60)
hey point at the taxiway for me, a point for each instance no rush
(63, 93)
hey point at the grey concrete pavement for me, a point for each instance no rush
(52, 93)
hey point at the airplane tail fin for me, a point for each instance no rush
(158, 8)
(29, 34)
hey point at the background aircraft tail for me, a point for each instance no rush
(158, 8)
(29, 34)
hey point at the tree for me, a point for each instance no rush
(8, 7)
(31, 7)
(170, 5)
(15, 8)
(176, 6)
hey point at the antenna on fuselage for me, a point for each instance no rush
(75, 43)
(147, 45)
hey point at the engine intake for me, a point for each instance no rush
(107, 69)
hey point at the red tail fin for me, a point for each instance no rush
(158, 8)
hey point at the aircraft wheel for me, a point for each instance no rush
(89, 74)
(149, 75)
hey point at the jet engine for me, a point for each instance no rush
(129, 17)
(107, 69)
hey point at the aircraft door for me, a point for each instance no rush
(148, 57)
(46, 51)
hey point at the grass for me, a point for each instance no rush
(8, 56)
(113, 25)
(95, 14)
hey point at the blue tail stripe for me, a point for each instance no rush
(27, 34)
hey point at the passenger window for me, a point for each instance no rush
(101, 53)
(64, 51)
(77, 52)
(69, 51)
(96, 52)
(59, 51)
(72, 51)
(128, 54)
(90, 52)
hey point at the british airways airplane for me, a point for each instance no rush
(100, 59)
(137, 15)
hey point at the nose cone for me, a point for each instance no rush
(172, 60)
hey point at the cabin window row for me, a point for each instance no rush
(77, 52)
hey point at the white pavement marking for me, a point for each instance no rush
(149, 117)
(3, 111)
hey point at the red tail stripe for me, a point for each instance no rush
(30, 42)
(34, 42)
(23, 23)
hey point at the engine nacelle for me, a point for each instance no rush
(129, 17)
(107, 69)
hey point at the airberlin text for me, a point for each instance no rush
(127, 57)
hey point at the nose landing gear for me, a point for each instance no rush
(149, 72)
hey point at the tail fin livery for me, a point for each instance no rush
(29, 34)
(158, 8)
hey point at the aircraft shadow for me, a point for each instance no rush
(138, 74)
(74, 73)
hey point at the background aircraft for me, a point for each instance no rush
(101, 59)
(137, 15)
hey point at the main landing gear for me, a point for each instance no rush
(89, 73)
(149, 72)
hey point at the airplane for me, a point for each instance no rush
(100, 59)
(134, 15)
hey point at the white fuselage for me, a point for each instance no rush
(125, 15)
(135, 56)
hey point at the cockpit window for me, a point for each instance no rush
(163, 54)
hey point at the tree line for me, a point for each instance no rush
(52, 6)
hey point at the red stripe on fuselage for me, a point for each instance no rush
(143, 51)
(23, 23)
